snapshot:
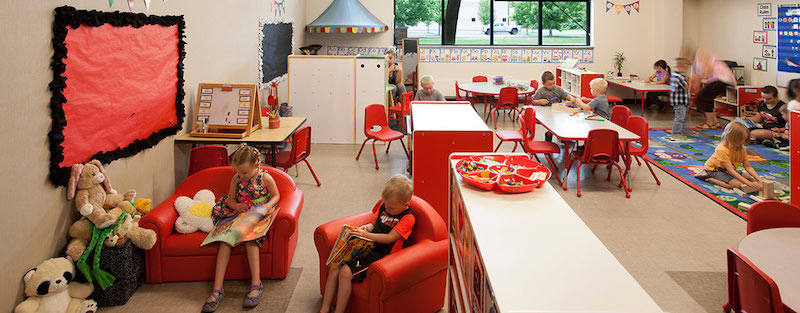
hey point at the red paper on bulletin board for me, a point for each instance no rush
(118, 87)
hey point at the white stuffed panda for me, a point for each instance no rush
(50, 289)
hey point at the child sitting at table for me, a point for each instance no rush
(428, 93)
(390, 227)
(721, 168)
(549, 94)
(661, 76)
(598, 105)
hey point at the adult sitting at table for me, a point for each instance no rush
(395, 73)
(769, 115)
(427, 92)
(717, 76)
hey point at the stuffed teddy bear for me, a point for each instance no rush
(91, 189)
(50, 289)
(195, 214)
(128, 229)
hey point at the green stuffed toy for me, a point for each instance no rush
(104, 279)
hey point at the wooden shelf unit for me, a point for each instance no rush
(576, 81)
(739, 101)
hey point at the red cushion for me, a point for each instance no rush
(542, 147)
(189, 245)
(613, 99)
(385, 134)
(509, 135)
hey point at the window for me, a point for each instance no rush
(495, 22)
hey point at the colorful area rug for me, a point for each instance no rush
(682, 159)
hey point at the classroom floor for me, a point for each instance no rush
(670, 238)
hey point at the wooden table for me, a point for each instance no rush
(637, 86)
(535, 253)
(776, 251)
(263, 136)
(490, 89)
(576, 128)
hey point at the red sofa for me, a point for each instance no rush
(179, 257)
(410, 280)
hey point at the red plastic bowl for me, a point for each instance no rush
(499, 169)
(528, 172)
(522, 161)
(487, 159)
(527, 184)
(485, 186)
(479, 166)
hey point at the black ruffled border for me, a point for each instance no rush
(69, 16)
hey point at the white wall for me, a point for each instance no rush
(725, 28)
(221, 46)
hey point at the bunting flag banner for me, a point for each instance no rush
(619, 8)
(278, 7)
(147, 5)
(130, 4)
(110, 3)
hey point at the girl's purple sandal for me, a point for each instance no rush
(211, 306)
(251, 302)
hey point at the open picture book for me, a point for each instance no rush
(246, 226)
(348, 246)
(749, 123)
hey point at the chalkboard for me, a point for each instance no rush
(275, 46)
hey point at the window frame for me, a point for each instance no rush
(588, 42)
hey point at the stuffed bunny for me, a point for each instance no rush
(91, 189)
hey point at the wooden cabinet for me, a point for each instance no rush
(576, 81)
(738, 101)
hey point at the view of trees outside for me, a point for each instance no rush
(515, 22)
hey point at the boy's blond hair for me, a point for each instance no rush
(600, 83)
(398, 188)
(734, 134)
(426, 80)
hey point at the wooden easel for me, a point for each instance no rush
(233, 110)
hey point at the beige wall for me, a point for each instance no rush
(725, 28)
(222, 45)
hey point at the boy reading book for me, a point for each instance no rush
(391, 226)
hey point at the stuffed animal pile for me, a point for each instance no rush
(49, 288)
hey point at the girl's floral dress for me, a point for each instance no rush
(249, 192)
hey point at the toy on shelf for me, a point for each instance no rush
(91, 189)
(50, 288)
(510, 175)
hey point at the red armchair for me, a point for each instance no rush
(410, 280)
(179, 257)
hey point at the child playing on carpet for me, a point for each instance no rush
(390, 227)
(780, 136)
(720, 168)
(598, 105)
(679, 96)
(769, 115)
(250, 186)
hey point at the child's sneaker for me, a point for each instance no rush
(770, 143)
(703, 175)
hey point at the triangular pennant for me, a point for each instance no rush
(618, 8)
(636, 6)
(628, 9)
(609, 5)
(110, 3)
(147, 5)
(130, 4)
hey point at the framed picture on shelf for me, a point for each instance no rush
(769, 51)
(764, 9)
(760, 36)
(760, 64)
(769, 23)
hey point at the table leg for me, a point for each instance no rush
(628, 162)
(644, 95)
(566, 162)
(273, 149)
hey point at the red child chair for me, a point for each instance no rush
(374, 116)
(614, 100)
(301, 149)
(602, 148)
(750, 289)
(485, 98)
(528, 98)
(412, 279)
(772, 214)
(639, 126)
(204, 157)
(398, 112)
(620, 115)
(508, 100)
(528, 119)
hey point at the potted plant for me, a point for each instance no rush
(619, 59)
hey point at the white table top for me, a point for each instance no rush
(540, 256)
(567, 127)
(776, 251)
(640, 86)
(445, 116)
(489, 88)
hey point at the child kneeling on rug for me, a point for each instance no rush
(720, 168)
(391, 226)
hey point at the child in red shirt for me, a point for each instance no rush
(391, 226)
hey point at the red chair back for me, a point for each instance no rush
(602, 145)
(772, 214)
(301, 145)
(753, 290)
(639, 126)
(458, 94)
(204, 157)
(428, 224)
(528, 120)
(218, 180)
(405, 101)
(374, 115)
(620, 115)
(508, 97)
(535, 85)
(479, 79)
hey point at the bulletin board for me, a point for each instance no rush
(788, 44)
(322, 89)
(274, 46)
(117, 85)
